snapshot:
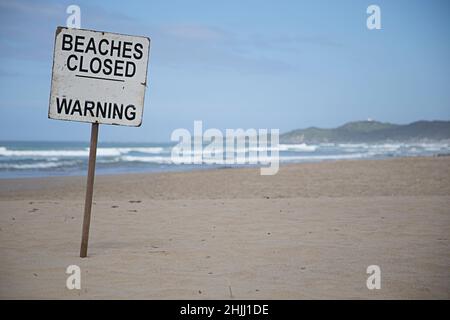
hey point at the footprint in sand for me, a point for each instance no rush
(135, 201)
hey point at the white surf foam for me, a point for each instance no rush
(155, 159)
(37, 165)
(303, 147)
(101, 152)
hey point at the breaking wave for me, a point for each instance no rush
(101, 152)
(71, 158)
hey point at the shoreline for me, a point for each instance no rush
(359, 178)
(222, 167)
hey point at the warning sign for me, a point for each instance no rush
(98, 77)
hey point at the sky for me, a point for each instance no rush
(239, 64)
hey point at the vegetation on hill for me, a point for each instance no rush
(371, 131)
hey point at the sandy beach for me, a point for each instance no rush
(308, 232)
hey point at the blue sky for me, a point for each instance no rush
(240, 64)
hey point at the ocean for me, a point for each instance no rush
(40, 159)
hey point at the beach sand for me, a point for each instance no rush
(310, 231)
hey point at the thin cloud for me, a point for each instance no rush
(31, 7)
(213, 47)
(194, 32)
(27, 28)
(27, 32)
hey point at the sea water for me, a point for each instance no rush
(40, 158)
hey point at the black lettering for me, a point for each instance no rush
(103, 53)
(102, 109)
(139, 51)
(79, 43)
(91, 46)
(76, 107)
(118, 66)
(109, 110)
(126, 48)
(130, 115)
(99, 66)
(113, 48)
(68, 62)
(89, 108)
(117, 111)
(107, 69)
(81, 65)
(67, 40)
(63, 105)
(129, 73)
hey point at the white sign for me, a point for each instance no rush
(98, 77)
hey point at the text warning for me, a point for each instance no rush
(98, 77)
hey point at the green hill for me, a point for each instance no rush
(371, 131)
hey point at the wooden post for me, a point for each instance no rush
(89, 190)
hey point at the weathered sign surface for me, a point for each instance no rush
(98, 77)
